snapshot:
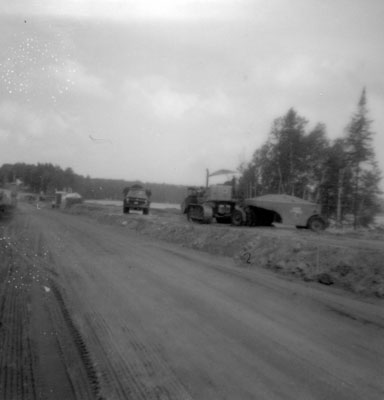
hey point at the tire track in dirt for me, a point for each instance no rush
(139, 372)
(144, 374)
(42, 353)
(74, 350)
(17, 379)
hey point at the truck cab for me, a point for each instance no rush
(137, 198)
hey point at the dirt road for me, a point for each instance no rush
(89, 311)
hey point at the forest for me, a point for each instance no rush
(342, 175)
(47, 178)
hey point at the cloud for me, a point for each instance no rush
(315, 72)
(299, 70)
(192, 82)
(38, 66)
(218, 103)
(4, 134)
(153, 94)
(186, 9)
(8, 112)
(131, 9)
(22, 124)
(33, 136)
(74, 77)
(20, 121)
(157, 95)
(170, 104)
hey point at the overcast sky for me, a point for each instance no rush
(161, 90)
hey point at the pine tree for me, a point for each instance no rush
(315, 146)
(290, 161)
(360, 155)
(336, 186)
(287, 137)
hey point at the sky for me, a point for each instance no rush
(161, 90)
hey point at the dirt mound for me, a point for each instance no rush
(326, 258)
(358, 270)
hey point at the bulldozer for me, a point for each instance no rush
(212, 202)
(204, 205)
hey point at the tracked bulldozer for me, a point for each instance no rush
(212, 202)
(204, 205)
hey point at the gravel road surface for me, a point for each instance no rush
(90, 311)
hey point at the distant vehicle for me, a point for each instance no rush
(64, 199)
(138, 198)
(8, 199)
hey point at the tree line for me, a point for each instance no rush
(45, 178)
(342, 175)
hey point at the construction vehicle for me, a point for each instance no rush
(64, 199)
(204, 205)
(279, 208)
(220, 202)
(8, 199)
(136, 198)
(212, 202)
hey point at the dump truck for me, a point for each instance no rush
(136, 197)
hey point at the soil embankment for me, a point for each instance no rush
(353, 261)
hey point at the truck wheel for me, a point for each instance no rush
(316, 224)
(237, 218)
(126, 210)
(145, 211)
